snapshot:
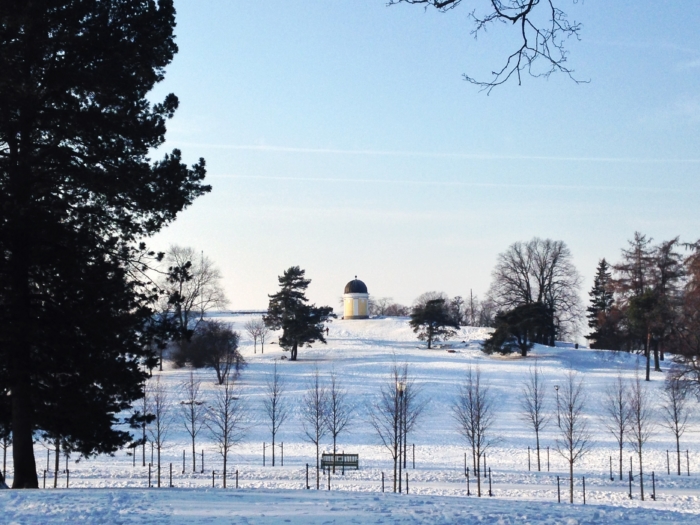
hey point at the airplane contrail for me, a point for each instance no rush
(448, 183)
(405, 153)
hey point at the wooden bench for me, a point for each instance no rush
(341, 461)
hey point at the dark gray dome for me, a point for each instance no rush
(356, 286)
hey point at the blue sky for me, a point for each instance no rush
(341, 137)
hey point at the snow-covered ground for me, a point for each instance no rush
(111, 490)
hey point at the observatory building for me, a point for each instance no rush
(355, 300)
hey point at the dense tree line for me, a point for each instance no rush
(648, 303)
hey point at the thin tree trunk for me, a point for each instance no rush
(273, 449)
(641, 475)
(571, 481)
(477, 473)
(194, 456)
(318, 483)
(657, 364)
(225, 458)
(678, 453)
(334, 449)
(158, 466)
(396, 439)
(537, 439)
(621, 450)
(647, 355)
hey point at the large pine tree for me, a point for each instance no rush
(301, 323)
(77, 193)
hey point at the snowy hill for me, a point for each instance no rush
(362, 353)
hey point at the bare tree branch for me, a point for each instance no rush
(542, 28)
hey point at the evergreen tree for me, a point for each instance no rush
(667, 276)
(301, 323)
(433, 321)
(77, 192)
(603, 317)
(520, 328)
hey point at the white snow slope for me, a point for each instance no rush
(111, 490)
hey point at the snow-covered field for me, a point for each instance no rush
(111, 490)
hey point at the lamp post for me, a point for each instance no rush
(556, 388)
(398, 429)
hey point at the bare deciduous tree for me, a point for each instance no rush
(426, 297)
(641, 422)
(675, 412)
(262, 334)
(574, 439)
(192, 411)
(160, 408)
(542, 28)
(252, 327)
(227, 419)
(533, 400)
(616, 413)
(392, 413)
(474, 413)
(275, 405)
(192, 286)
(380, 305)
(539, 271)
(314, 412)
(340, 411)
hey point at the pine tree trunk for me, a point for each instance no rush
(23, 443)
(56, 464)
